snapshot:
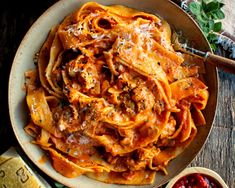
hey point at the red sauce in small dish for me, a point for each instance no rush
(197, 180)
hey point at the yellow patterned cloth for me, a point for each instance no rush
(14, 172)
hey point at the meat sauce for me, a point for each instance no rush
(197, 180)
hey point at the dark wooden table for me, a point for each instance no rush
(219, 151)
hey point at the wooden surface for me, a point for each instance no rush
(217, 154)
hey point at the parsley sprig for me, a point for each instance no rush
(208, 14)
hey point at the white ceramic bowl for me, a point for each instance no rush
(200, 170)
(34, 39)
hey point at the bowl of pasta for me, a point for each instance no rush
(107, 99)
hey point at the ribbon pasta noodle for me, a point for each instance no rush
(110, 98)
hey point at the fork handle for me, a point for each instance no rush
(221, 62)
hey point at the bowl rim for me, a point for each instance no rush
(13, 66)
(200, 170)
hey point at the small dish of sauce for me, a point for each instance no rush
(197, 180)
(197, 177)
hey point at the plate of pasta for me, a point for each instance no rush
(106, 98)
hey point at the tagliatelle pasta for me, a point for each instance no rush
(110, 98)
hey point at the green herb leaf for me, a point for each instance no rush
(208, 14)
(205, 30)
(212, 37)
(204, 4)
(218, 14)
(201, 19)
(213, 47)
(210, 25)
(195, 8)
(212, 6)
(217, 26)
(221, 5)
